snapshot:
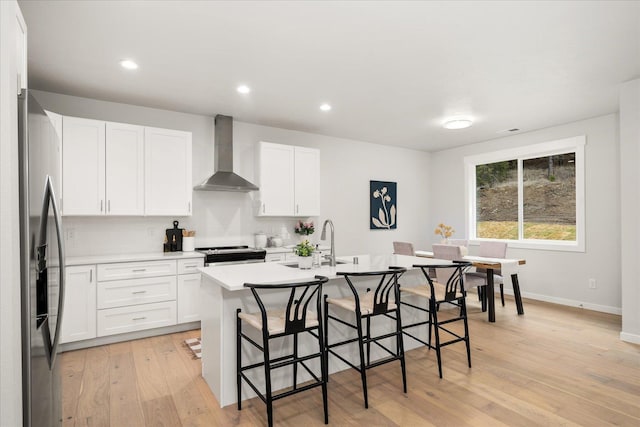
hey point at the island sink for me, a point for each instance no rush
(324, 262)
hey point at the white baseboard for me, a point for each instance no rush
(129, 335)
(632, 338)
(567, 302)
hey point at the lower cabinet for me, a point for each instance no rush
(189, 298)
(115, 298)
(79, 315)
(189, 290)
(136, 318)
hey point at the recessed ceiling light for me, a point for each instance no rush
(457, 123)
(129, 64)
(243, 89)
(325, 107)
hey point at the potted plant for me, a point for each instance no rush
(304, 250)
(304, 229)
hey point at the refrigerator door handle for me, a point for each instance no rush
(50, 199)
(61, 270)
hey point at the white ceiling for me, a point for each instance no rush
(393, 71)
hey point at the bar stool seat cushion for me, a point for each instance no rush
(425, 291)
(366, 303)
(276, 320)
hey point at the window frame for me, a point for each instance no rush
(573, 144)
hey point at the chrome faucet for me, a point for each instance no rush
(323, 236)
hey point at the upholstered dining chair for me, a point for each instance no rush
(403, 248)
(454, 253)
(492, 249)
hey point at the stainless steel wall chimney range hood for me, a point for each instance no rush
(223, 178)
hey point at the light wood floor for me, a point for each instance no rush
(553, 366)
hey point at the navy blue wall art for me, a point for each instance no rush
(384, 204)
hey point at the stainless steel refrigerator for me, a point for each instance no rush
(42, 263)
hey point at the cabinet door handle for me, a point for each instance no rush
(263, 207)
(101, 205)
(108, 205)
(189, 208)
(139, 270)
(190, 266)
(91, 276)
(139, 318)
(297, 208)
(139, 292)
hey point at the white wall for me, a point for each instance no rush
(10, 362)
(228, 218)
(630, 208)
(553, 275)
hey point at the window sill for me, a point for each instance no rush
(540, 245)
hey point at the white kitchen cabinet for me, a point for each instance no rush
(79, 315)
(307, 181)
(189, 290)
(83, 158)
(289, 180)
(124, 169)
(136, 318)
(102, 168)
(21, 51)
(189, 297)
(167, 171)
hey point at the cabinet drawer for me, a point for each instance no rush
(134, 270)
(118, 293)
(120, 320)
(274, 257)
(186, 266)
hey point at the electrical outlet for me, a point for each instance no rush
(592, 283)
(71, 233)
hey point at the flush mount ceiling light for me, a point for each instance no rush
(128, 64)
(325, 107)
(458, 123)
(243, 89)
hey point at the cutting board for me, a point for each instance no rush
(177, 232)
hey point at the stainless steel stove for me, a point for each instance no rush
(221, 255)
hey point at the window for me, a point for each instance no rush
(532, 196)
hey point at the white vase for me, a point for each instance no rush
(305, 262)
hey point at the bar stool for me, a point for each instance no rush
(449, 288)
(366, 306)
(295, 318)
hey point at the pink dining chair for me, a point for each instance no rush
(491, 249)
(403, 248)
(454, 253)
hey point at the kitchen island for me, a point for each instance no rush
(223, 291)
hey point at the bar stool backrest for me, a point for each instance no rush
(454, 273)
(388, 282)
(301, 295)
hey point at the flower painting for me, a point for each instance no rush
(383, 205)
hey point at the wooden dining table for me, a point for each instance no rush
(490, 265)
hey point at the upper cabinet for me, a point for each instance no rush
(124, 169)
(168, 184)
(289, 180)
(83, 158)
(21, 50)
(121, 169)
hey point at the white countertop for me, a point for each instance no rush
(233, 277)
(125, 257)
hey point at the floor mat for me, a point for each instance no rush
(195, 345)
